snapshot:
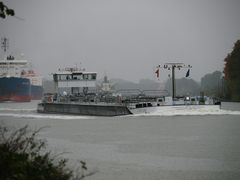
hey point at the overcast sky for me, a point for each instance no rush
(123, 38)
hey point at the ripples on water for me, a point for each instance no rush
(162, 145)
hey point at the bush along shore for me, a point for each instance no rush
(24, 156)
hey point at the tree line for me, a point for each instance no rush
(222, 85)
(232, 73)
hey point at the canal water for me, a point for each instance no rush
(186, 144)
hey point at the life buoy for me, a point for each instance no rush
(50, 99)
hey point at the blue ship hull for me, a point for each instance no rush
(15, 89)
(36, 92)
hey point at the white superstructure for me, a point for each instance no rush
(34, 78)
(74, 78)
(11, 67)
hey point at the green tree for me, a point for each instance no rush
(211, 84)
(5, 11)
(232, 73)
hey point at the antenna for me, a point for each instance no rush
(173, 66)
(4, 44)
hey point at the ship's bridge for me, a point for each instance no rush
(71, 79)
(12, 67)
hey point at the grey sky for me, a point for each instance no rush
(123, 38)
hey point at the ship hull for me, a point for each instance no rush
(83, 109)
(36, 92)
(15, 89)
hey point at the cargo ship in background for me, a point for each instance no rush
(36, 84)
(14, 85)
(18, 81)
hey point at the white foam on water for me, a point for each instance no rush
(188, 110)
(45, 116)
(15, 109)
(183, 111)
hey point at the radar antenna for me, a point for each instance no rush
(173, 66)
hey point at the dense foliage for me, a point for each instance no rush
(22, 156)
(5, 11)
(232, 73)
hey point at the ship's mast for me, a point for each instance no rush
(4, 44)
(173, 66)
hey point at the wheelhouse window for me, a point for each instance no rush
(85, 76)
(94, 76)
(70, 77)
(77, 76)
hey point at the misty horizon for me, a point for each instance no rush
(123, 39)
